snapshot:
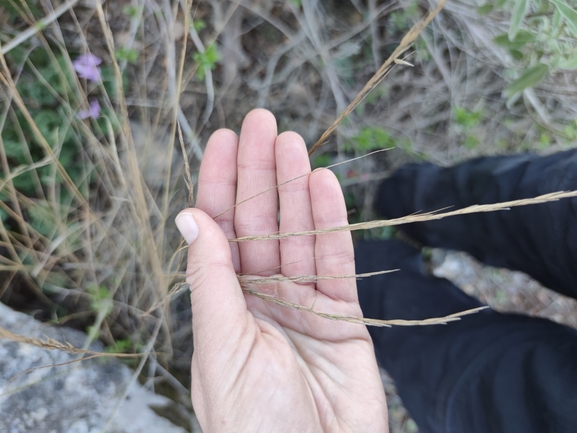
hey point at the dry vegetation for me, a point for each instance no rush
(87, 205)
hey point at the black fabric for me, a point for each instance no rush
(540, 240)
(488, 373)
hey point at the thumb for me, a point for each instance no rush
(216, 297)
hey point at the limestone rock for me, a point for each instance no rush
(79, 397)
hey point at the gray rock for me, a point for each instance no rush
(80, 397)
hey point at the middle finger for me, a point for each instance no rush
(257, 173)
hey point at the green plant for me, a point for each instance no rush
(541, 39)
(127, 54)
(400, 20)
(131, 10)
(46, 152)
(206, 59)
(371, 138)
(100, 299)
(199, 25)
(466, 120)
(101, 304)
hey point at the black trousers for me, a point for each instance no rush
(489, 372)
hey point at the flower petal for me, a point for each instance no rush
(86, 66)
(92, 112)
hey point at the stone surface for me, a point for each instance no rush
(80, 397)
(502, 289)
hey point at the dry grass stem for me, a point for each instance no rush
(51, 344)
(188, 177)
(429, 216)
(383, 71)
(246, 281)
(362, 320)
(30, 370)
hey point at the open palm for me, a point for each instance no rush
(258, 366)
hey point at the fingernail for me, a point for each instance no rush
(187, 227)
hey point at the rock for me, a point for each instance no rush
(80, 397)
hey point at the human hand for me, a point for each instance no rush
(258, 366)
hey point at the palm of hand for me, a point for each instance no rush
(258, 366)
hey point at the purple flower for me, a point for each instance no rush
(93, 111)
(86, 66)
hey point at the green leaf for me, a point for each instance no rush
(373, 138)
(556, 21)
(570, 131)
(467, 118)
(516, 54)
(519, 12)
(100, 298)
(212, 55)
(48, 121)
(24, 183)
(568, 13)
(120, 346)
(109, 82)
(523, 37)
(530, 78)
(568, 63)
(554, 46)
(130, 10)
(485, 9)
(14, 150)
(127, 54)
(207, 59)
(199, 24)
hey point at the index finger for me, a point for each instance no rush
(217, 184)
